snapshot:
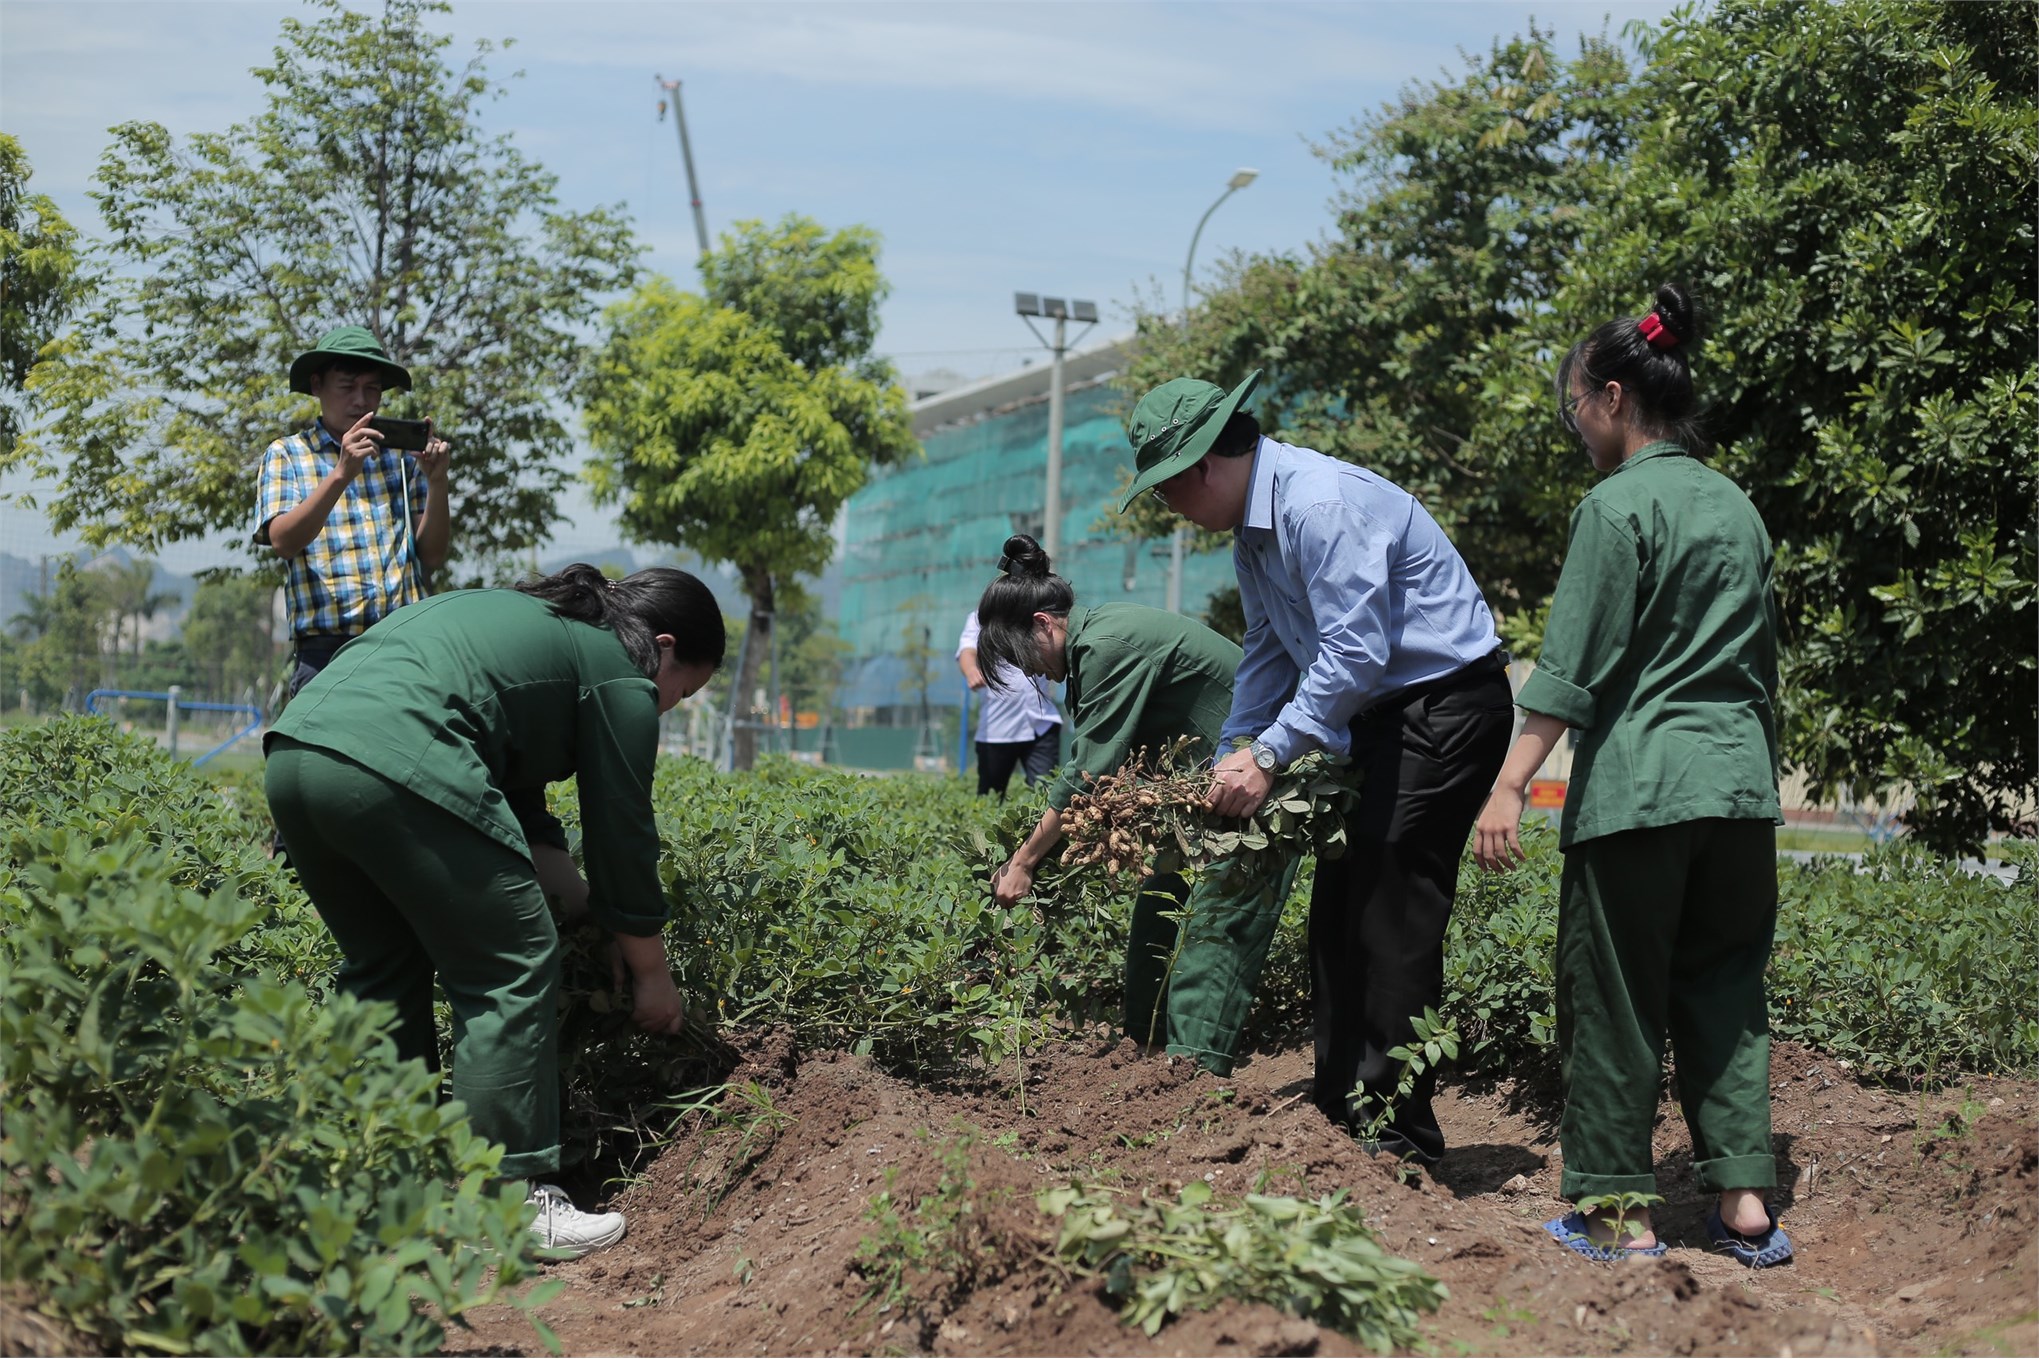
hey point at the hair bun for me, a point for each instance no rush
(1023, 557)
(1679, 316)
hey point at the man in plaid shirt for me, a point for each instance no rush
(360, 528)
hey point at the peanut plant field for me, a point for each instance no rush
(901, 1119)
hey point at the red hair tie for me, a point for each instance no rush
(1656, 333)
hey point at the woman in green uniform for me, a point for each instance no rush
(408, 780)
(1138, 679)
(1661, 652)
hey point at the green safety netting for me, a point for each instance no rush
(922, 539)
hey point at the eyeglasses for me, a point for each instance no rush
(1569, 411)
(1161, 496)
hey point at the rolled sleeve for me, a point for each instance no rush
(616, 750)
(1592, 618)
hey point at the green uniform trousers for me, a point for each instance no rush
(409, 890)
(1662, 929)
(1199, 1008)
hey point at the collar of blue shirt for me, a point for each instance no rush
(1260, 489)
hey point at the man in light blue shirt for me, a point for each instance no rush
(1365, 636)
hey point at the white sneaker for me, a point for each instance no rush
(565, 1229)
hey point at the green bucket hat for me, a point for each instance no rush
(353, 344)
(1176, 424)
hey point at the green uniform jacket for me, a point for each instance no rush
(1662, 651)
(1139, 678)
(475, 700)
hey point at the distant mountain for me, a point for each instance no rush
(21, 577)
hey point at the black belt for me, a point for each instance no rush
(320, 647)
(1494, 662)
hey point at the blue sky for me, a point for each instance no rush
(1066, 148)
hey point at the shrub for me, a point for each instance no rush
(1911, 968)
(203, 1159)
(81, 773)
(1500, 987)
(858, 911)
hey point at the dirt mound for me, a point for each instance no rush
(1913, 1218)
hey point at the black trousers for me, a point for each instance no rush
(311, 655)
(997, 759)
(1377, 916)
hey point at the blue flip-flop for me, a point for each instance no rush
(1569, 1231)
(1769, 1247)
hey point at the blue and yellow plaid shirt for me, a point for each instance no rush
(362, 565)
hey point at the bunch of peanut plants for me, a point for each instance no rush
(1149, 816)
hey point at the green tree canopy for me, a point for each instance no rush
(40, 281)
(365, 192)
(63, 637)
(230, 633)
(1458, 212)
(737, 423)
(1849, 189)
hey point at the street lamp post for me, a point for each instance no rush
(1062, 312)
(1239, 180)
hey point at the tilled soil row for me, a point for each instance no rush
(1914, 1218)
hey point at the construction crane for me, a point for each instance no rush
(672, 87)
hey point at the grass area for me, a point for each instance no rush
(1821, 840)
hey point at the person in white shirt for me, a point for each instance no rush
(1018, 725)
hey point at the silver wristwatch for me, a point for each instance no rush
(1263, 756)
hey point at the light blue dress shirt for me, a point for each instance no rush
(1351, 591)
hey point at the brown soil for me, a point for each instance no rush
(1914, 1219)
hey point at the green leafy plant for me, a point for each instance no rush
(201, 1160)
(1315, 1259)
(1435, 1042)
(936, 1247)
(1620, 1208)
(1910, 968)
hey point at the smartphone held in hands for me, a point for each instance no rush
(408, 435)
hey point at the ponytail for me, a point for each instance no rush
(1005, 615)
(639, 609)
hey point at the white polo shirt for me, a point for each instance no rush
(1020, 710)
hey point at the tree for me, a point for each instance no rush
(365, 192)
(229, 634)
(737, 423)
(131, 594)
(1852, 188)
(40, 281)
(1457, 219)
(811, 652)
(64, 636)
(1849, 188)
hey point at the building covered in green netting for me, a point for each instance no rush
(921, 539)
